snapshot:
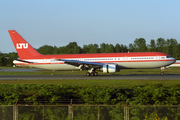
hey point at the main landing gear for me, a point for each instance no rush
(92, 72)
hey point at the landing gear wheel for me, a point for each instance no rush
(92, 74)
(162, 73)
(88, 74)
(162, 70)
(95, 74)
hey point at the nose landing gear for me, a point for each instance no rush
(162, 70)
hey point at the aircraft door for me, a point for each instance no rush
(45, 61)
(125, 59)
(157, 58)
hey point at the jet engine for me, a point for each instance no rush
(110, 68)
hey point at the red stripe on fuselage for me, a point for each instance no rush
(100, 55)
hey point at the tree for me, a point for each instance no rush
(2, 61)
(166, 47)
(62, 50)
(9, 62)
(46, 50)
(109, 48)
(131, 47)
(73, 48)
(117, 48)
(152, 46)
(124, 48)
(56, 50)
(140, 45)
(178, 51)
(174, 48)
(103, 48)
(13, 55)
(85, 49)
(93, 48)
(160, 43)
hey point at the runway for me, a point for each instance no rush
(100, 77)
(82, 77)
(19, 69)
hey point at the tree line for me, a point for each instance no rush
(169, 46)
(6, 59)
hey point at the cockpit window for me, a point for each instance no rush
(168, 56)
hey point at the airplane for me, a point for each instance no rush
(105, 62)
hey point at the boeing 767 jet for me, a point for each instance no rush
(105, 62)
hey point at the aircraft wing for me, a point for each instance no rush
(82, 63)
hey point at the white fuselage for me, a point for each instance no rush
(124, 62)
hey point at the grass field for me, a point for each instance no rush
(123, 83)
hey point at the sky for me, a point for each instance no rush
(59, 22)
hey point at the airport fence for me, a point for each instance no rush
(89, 112)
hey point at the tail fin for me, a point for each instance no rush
(24, 49)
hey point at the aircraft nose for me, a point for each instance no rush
(174, 60)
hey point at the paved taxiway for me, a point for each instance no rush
(76, 77)
(105, 77)
(19, 69)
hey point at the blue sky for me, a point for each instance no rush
(58, 22)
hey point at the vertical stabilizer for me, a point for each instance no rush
(23, 48)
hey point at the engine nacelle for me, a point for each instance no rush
(110, 68)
